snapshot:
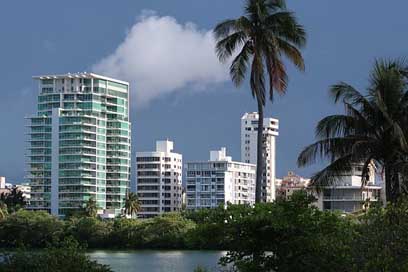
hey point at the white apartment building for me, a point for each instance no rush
(219, 181)
(159, 180)
(348, 195)
(249, 140)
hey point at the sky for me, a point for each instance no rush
(179, 90)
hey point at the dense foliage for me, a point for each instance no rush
(39, 229)
(68, 258)
(287, 235)
(11, 201)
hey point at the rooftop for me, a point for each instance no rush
(80, 75)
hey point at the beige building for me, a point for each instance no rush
(289, 184)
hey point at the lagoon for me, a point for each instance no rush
(157, 260)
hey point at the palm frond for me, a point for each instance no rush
(336, 125)
(279, 76)
(227, 46)
(225, 28)
(292, 53)
(274, 5)
(257, 80)
(333, 173)
(284, 25)
(239, 65)
(330, 148)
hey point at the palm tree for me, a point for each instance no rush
(261, 38)
(132, 204)
(373, 130)
(91, 207)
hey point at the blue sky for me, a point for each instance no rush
(198, 113)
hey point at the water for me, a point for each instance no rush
(157, 261)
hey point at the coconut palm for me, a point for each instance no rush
(373, 130)
(91, 207)
(259, 40)
(132, 204)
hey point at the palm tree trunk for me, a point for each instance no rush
(260, 157)
(392, 186)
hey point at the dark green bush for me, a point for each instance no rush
(68, 258)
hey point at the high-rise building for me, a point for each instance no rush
(79, 143)
(159, 180)
(249, 140)
(219, 181)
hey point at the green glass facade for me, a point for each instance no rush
(79, 144)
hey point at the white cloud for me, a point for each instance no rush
(160, 56)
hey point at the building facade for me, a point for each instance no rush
(249, 140)
(79, 143)
(159, 180)
(289, 184)
(348, 195)
(219, 181)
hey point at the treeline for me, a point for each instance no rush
(287, 235)
(39, 229)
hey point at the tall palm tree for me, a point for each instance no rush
(259, 40)
(132, 204)
(91, 207)
(373, 130)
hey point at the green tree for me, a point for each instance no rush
(30, 228)
(13, 199)
(263, 36)
(90, 231)
(132, 204)
(68, 258)
(381, 240)
(91, 208)
(372, 130)
(287, 235)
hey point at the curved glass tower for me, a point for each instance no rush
(79, 144)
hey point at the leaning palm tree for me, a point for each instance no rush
(259, 41)
(373, 130)
(91, 207)
(132, 204)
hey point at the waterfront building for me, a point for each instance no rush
(79, 143)
(219, 181)
(347, 194)
(249, 140)
(289, 184)
(159, 180)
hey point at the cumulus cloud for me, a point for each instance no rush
(160, 56)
